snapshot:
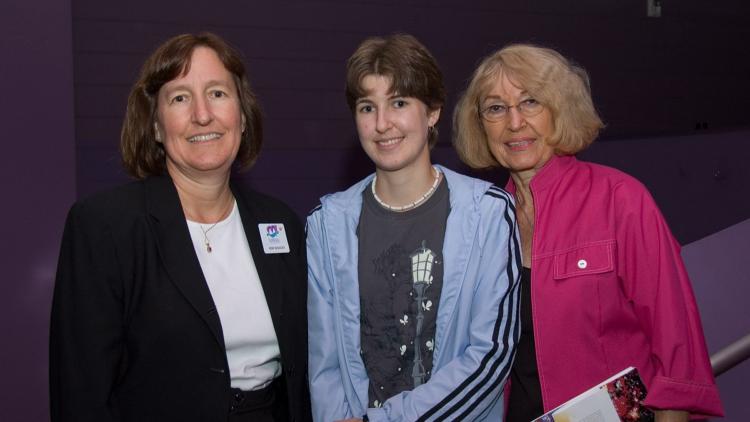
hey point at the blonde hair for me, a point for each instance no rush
(561, 86)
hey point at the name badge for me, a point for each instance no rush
(273, 236)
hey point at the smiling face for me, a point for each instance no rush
(393, 129)
(199, 121)
(517, 142)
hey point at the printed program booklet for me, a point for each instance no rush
(617, 399)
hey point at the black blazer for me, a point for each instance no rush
(135, 335)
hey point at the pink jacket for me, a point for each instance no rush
(610, 291)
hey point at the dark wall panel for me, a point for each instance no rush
(38, 173)
(650, 76)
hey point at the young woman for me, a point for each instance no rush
(413, 271)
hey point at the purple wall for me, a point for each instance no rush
(719, 268)
(651, 78)
(38, 170)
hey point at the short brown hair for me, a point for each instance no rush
(546, 75)
(410, 66)
(142, 156)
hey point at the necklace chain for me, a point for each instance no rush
(414, 204)
(206, 240)
(520, 207)
(205, 231)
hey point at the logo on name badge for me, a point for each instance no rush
(273, 237)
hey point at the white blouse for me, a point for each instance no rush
(251, 343)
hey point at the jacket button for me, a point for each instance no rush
(582, 264)
(217, 370)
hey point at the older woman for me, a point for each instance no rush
(413, 271)
(604, 285)
(179, 296)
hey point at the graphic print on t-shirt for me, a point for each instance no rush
(406, 306)
(400, 280)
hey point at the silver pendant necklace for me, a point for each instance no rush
(206, 240)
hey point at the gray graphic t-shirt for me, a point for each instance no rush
(400, 280)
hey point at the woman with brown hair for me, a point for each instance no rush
(413, 271)
(181, 296)
(603, 284)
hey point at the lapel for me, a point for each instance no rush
(176, 250)
(268, 265)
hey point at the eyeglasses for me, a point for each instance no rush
(497, 111)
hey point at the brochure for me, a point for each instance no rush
(617, 399)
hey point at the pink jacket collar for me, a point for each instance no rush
(548, 175)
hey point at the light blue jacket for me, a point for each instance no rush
(477, 322)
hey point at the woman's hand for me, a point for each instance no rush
(672, 416)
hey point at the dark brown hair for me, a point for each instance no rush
(142, 155)
(410, 66)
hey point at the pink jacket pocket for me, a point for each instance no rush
(593, 258)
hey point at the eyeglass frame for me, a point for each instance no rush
(518, 106)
